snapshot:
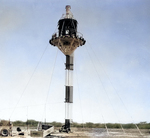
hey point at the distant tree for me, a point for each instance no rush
(78, 125)
(144, 125)
(55, 124)
(19, 123)
(89, 125)
(128, 126)
(32, 123)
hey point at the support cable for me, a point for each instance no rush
(81, 108)
(107, 95)
(50, 83)
(27, 122)
(79, 96)
(29, 81)
(105, 92)
(103, 88)
(24, 106)
(115, 90)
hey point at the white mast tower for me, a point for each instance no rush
(67, 40)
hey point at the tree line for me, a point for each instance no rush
(34, 123)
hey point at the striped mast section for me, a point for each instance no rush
(69, 90)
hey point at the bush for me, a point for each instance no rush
(33, 123)
(19, 123)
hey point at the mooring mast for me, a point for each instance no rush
(67, 40)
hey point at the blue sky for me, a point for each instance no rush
(111, 75)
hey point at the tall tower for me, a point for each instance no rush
(67, 39)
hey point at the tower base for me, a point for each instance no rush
(66, 127)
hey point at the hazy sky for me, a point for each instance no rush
(112, 70)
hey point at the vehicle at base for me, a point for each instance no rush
(43, 130)
(6, 128)
(64, 129)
